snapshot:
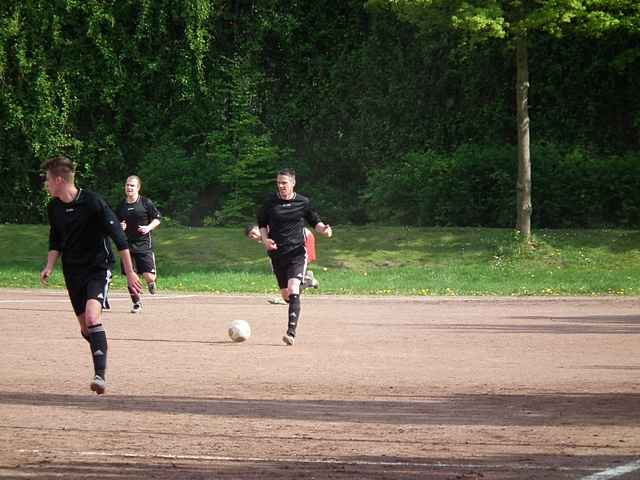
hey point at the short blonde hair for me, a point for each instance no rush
(60, 166)
(135, 177)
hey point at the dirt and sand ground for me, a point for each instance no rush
(442, 388)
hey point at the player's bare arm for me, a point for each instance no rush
(52, 258)
(144, 229)
(268, 243)
(132, 277)
(324, 229)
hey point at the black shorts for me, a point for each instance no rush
(85, 286)
(143, 262)
(292, 264)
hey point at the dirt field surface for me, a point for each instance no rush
(379, 388)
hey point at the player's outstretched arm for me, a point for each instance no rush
(114, 229)
(144, 229)
(52, 258)
(324, 229)
(132, 277)
(268, 243)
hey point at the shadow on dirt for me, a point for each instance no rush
(593, 324)
(554, 409)
(531, 467)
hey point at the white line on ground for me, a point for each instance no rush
(11, 473)
(615, 471)
(46, 300)
(327, 461)
(42, 300)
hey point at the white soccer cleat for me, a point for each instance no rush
(98, 385)
(309, 280)
(277, 301)
(288, 339)
(136, 308)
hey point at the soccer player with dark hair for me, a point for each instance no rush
(281, 220)
(81, 223)
(138, 217)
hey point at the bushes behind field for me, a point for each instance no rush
(475, 186)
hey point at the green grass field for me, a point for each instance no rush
(374, 260)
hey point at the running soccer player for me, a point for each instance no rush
(81, 223)
(138, 217)
(281, 220)
(252, 232)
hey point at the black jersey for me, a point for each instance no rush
(80, 231)
(285, 220)
(140, 212)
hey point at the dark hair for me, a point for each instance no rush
(60, 166)
(248, 228)
(289, 172)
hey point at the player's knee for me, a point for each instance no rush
(91, 318)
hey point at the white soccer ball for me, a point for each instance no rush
(239, 330)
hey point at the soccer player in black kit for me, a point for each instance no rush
(138, 217)
(282, 221)
(81, 223)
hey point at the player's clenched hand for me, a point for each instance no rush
(133, 281)
(44, 275)
(123, 224)
(270, 244)
(144, 229)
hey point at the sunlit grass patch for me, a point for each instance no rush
(374, 260)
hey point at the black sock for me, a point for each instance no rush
(98, 341)
(134, 297)
(294, 313)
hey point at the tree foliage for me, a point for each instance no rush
(473, 186)
(514, 22)
(205, 99)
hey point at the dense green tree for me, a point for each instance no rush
(516, 21)
(204, 99)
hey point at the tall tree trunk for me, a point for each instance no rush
(523, 186)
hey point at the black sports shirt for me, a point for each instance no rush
(80, 231)
(140, 212)
(285, 220)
